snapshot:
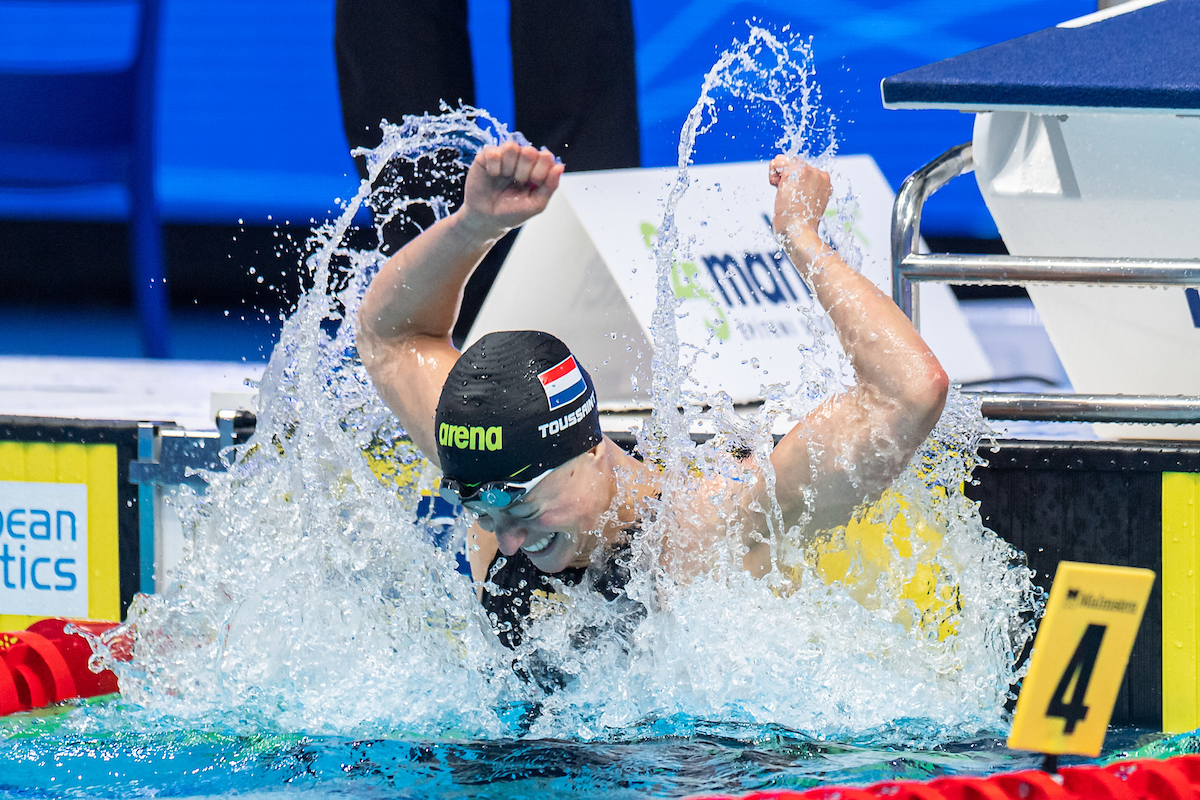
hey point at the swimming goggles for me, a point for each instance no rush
(497, 494)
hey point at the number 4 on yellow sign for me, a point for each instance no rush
(1079, 658)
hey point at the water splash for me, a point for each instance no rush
(776, 78)
(311, 595)
(313, 598)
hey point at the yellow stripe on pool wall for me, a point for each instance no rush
(12, 461)
(1181, 601)
(104, 555)
(96, 466)
(12, 468)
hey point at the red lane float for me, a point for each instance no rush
(1175, 778)
(43, 665)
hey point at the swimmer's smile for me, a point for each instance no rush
(555, 551)
(541, 544)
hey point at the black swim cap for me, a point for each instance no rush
(515, 404)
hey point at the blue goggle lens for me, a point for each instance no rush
(497, 498)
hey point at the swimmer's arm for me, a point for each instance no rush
(407, 315)
(851, 447)
(409, 310)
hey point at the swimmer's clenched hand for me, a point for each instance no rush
(506, 185)
(803, 192)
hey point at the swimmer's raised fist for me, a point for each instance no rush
(506, 185)
(802, 192)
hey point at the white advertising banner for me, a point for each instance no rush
(43, 549)
(584, 271)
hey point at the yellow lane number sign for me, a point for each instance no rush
(1079, 658)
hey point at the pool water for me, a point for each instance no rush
(79, 753)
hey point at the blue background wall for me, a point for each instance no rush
(249, 120)
(856, 43)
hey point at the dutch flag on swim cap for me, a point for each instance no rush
(563, 383)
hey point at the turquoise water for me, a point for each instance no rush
(81, 754)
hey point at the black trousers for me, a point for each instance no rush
(574, 81)
(574, 85)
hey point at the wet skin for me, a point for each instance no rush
(404, 338)
(573, 510)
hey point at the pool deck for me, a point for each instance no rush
(120, 388)
(83, 363)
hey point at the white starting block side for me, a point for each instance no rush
(1116, 185)
(184, 392)
(584, 271)
(1087, 144)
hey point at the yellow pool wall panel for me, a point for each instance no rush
(1181, 601)
(94, 465)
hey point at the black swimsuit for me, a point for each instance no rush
(520, 586)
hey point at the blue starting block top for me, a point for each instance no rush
(1145, 59)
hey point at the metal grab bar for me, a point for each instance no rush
(1141, 408)
(1005, 270)
(909, 267)
(906, 216)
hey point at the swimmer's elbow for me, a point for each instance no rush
(372, 351)
(927, 394)
(938, 387)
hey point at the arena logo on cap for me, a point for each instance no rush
(471, 438)
(563, 383)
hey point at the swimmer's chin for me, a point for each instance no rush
(562, 553)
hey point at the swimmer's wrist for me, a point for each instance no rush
(801, 233)
(804, 244)
(477, 227)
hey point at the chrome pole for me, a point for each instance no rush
(1178, 410)
(910, 267)
(992, 270)
(906, 216)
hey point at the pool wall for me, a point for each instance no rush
(1112, 503)
(1126, 503)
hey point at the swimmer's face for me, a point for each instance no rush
(556, 523)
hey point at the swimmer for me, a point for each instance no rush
(513, 422)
